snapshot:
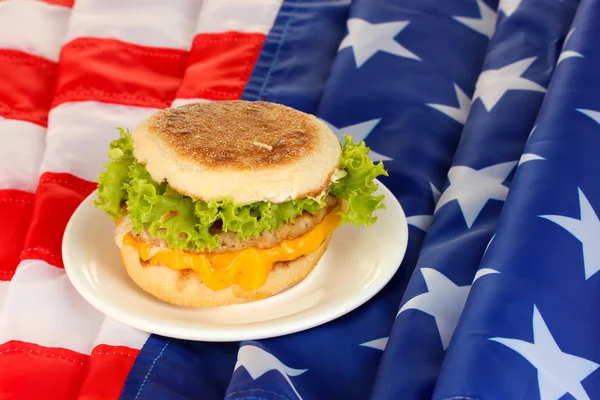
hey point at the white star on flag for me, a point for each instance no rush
(258, 362)
(423, 222)
(483, 272)
(458, 114)
(378, 344)
(566, 54)
(436, 193)
(366, 39)
(359, 132)
(485, 24)
(444, 301)
(530, 156)
(473, 188)
(494, 83)
(488, 246)
(595, 115)
(586, 229)
(531, 133)
(558, 373)
(509, 6)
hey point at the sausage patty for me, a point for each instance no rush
(230, 242)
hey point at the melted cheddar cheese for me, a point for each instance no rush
(248, 268)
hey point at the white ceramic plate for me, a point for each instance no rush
(359, 263)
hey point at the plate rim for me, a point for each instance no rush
(251, 330)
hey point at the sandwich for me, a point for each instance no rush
(228, 202)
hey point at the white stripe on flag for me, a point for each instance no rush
(4, 285)
(79, 134)
(183, 102)
(43, 307)
(154, 23)
(116, 334)
(21, 151)
(33, 27)
(248, 16)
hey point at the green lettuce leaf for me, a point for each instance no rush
(357, 186)
(185, 223)
(111, 183)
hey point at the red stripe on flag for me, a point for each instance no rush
(16, 207)
(109, 368)
(30, 371)
(220, 65)
(56, 198)
(26, 86)
(113, 71)
(64, 3)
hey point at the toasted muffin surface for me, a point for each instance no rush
(238, 150)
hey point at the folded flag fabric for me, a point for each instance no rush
(485, 114)
(505, 104)
(532, 326)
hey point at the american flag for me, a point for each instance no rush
(486, 115)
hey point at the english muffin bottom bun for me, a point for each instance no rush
(233, 201)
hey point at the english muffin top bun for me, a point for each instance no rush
(243, 151)
(233, 201)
